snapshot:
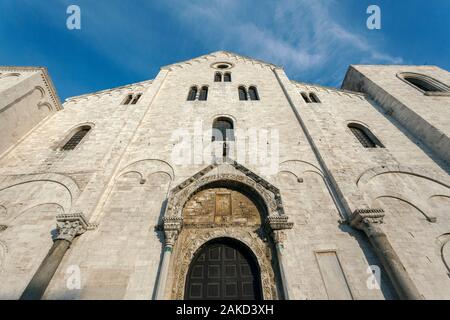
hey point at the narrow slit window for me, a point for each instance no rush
(227, 77)
(253, 93)
(223, 130)
(192, 94)
(136, 99)
(242, 94)
(203, 94)
(305, 97)
(128, 99)
(313, 97)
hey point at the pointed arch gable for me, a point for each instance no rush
(244, 178)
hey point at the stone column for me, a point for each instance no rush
(68, 227)
(370, 221)
(172, 228)
(277, 225)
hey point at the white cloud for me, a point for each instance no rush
(301, 35)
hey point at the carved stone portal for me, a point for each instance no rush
(240, 206)
(191, 240)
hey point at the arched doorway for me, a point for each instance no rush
(223, 269)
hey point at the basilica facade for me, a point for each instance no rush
(222, 178)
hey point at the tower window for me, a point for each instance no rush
(223, 129)
(242, 93)
(253, 93)
(128, 99)
(203, 94)
(364, 136)
(425, 83)
(305, 97)
(136, 98)
(192, 94)
(310, 97)
(218, 77)
(76, 138)
(314, 98)
(227, 77)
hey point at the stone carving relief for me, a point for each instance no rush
(220, 207)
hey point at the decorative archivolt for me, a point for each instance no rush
(298, 167)
(410, 203)
(66, 182)
(419, 186)
(443, 247)
(194, 239)
(367, 175)
(41, 103)
(180, 195)
(146, 167)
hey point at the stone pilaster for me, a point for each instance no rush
(370, 222)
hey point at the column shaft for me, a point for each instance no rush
(392, 264)
(282, 272)
(41, 279)
(163, 273)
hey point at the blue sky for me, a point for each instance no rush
(126, 41)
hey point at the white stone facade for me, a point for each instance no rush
(123, 178)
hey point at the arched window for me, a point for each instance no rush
(253, 93)
(227, 77)
(128, 99)
(136, 98)
(305, 97)
(424, 83)
(76, 138)
(218, 77)
(223, 129)
(203, 94)
(314, 98)
(364, 136)
(242, 93)
(192, 94)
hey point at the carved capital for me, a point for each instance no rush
(3, 227)
(367, 220)
(70, 226)
(277, 224)
(172, 227)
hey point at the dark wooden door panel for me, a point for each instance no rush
(223, 271)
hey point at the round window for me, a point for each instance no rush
(222, 65)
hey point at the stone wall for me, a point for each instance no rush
(123, 171)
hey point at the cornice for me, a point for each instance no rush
(45, 78)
